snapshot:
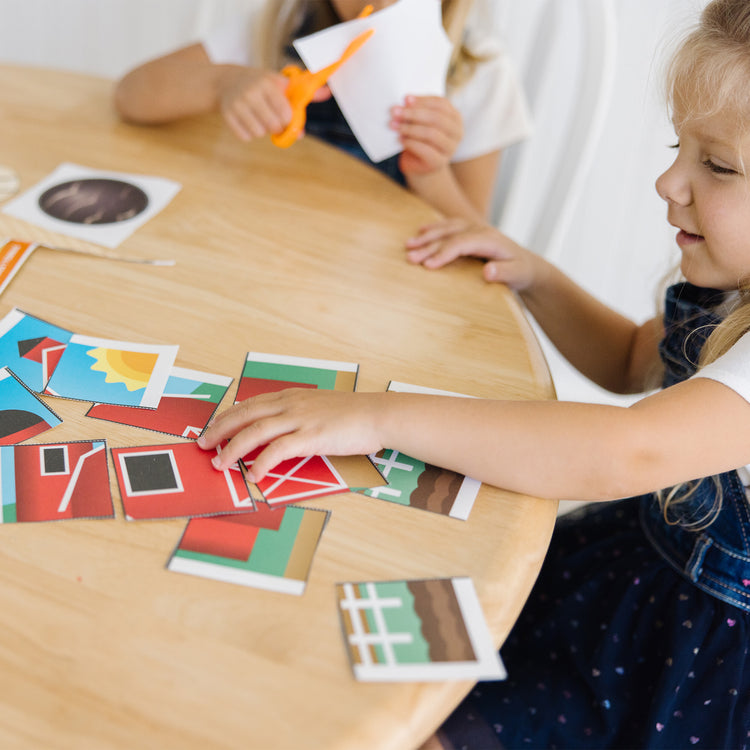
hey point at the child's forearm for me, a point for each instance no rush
(594, 338)
(547, 449)
(179, 85)
(442, 191)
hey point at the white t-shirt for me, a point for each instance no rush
(733, 370)
(492, 103)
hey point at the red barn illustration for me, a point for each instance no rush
(55, 481)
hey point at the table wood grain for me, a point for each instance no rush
(297, 252)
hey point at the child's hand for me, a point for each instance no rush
(296, 422)
(430, 129)
(254, 104)
(436, 245)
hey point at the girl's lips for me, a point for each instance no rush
(685, 238)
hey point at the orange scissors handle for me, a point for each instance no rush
(302, 87)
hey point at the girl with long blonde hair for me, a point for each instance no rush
(636, 634)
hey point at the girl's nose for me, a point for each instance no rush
(674, 187)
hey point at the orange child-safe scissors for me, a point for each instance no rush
(303, 84)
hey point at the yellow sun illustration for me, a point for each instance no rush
(132, 369)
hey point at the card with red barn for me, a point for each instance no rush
(54, 481)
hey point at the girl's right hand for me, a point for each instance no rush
(436, 245)
(253, 102)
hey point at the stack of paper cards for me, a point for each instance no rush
(54, 482)
(98, 206)
(417, 631)
(22, 414)
(270, 549)
(177, 480)
(419, 485)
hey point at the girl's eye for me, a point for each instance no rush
(717, 168)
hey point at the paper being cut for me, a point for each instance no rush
(408, 54)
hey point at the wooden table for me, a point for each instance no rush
(295, 252)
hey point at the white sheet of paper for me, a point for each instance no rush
(409, 53)
(158, 190)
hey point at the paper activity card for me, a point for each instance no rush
(189, 401)
(266, 373)
(112, 372)
(94, 205)
(409, 53)
(31, 347)
(13, 254)
(177, 480)
(22, 414)
(54, 482)
(270, 549)
(417, 631)
(299, 479)
(420, 485)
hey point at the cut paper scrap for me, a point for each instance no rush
(23, 415)
(267, 373)
(95, 205)
(270, 549)
(416, 484)
(409, 53)
(31, 347)
(177, 480)
(54, 482)
(417, 631)
(112, 372)
(189, 401)
(13, 254)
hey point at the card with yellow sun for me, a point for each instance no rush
(112, 372)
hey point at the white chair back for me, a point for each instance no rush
(566, 50)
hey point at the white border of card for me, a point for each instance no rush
(160, 192)
(488, 664)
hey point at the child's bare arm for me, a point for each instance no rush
(548, 449)
(604, 345)
(186, 82)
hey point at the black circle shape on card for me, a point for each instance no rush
(93, 201)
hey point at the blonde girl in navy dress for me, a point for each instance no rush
(636, 633)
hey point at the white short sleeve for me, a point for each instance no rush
(230, 43)
(732, 368)
(492, 104)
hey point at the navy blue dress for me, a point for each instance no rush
(636, 632)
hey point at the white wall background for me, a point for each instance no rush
(618, 244)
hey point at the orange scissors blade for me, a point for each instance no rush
(303, 84)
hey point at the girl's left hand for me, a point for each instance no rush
(430, 129)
